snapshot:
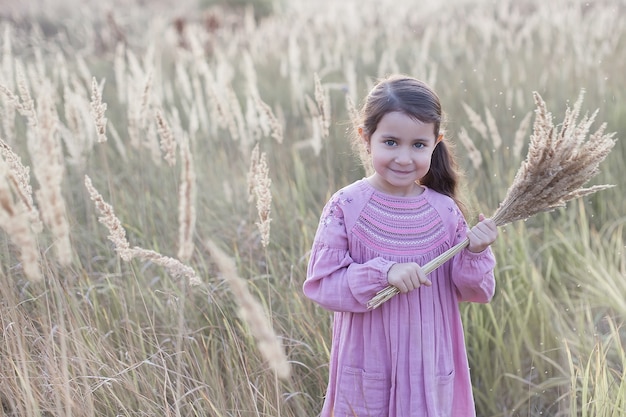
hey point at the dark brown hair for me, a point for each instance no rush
(401, 93)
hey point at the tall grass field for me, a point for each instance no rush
(164, 166)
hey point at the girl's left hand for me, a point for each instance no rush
(482, 235)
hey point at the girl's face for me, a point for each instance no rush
(401, 149)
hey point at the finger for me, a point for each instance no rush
(402, 288)
(425, 281)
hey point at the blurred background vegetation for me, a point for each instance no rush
(102, 336)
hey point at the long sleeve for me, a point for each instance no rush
(472, 273)
(334, 280)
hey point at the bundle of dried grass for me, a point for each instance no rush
(557, 166)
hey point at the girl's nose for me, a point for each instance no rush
(403, 159)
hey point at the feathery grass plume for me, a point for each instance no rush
(8, 104)
(7, 56)
(19, 176)
(8, 113)
(259, 187)
(78, 133)
(14, 220)
(472, 152)
(26, 105)
(266, 116)
(315, 141)
(97, 110)
(252, 313)
(186, 202)
(117, 235)
(323, 105)
(145, 101)
(294, 62)
(254, 158)
(558, 164)
(520, 134)
(10, 96)
(240, 123)
(119, 67)
(168, 143)
(257, 128)
(263, 200)
(476, 121)
(48, 167)
(199, 104)
(72, 113)
(496, 139)
(174, 267)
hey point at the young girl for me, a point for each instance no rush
(406, 357)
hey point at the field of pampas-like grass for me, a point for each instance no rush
(163, 169)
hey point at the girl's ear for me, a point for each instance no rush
(364, 138)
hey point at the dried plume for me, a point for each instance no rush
(520, 135)
(560, 161)
(323, 106)
(474, 154)
(49, 169)
(26, 104)
(259, 187)
(19, 176)
(266, 114)
(15, 221)
(168, 142)
(187, 202)
(97, 111)
(117, 235)
(476, 121)
(252, 313)
(496, 139)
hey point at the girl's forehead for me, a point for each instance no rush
(401, 125)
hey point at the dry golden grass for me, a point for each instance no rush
(15, 220)
(97, 111)
(186, 202)
(259, 189)
(252, 313)
(108, 337)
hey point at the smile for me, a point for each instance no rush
(401, 172)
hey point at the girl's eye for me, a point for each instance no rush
(390, 142)
(419, 145)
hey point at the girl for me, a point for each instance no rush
(407, 357)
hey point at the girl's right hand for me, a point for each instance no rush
(407, 277)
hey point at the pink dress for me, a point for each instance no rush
(407, 357)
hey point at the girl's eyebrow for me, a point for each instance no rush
(391, 136)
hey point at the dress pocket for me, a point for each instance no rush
(361, 393)
(445, 394)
